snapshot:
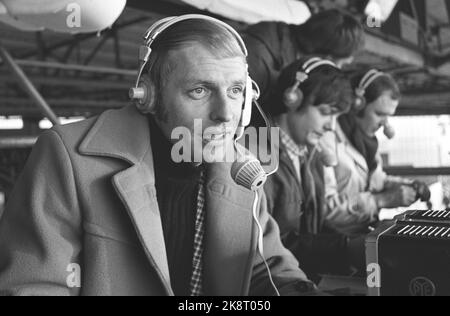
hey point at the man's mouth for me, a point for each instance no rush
(318, 134)
(215, 137)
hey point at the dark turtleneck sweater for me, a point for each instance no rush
(177, 189)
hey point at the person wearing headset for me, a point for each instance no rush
(274, 45)
(357, 187)
(311, 93)
(102, 208)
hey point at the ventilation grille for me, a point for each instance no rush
(437, 216)
(424, 231)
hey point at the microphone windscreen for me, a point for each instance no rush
(327, 157)
(389, 131)
(248, 173)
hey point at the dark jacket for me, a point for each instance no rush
(318, 250)
(271, 47)
(87, 196)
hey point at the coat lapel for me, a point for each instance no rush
(138, 195)
(124, 134)
(229, 241)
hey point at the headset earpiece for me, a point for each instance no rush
(360, 91)
(360, 100)
(252, 94)
(293, 98)
(144, 95)
(246, 115)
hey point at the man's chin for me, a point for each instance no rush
(372, 133)
(313, 141)
(218, 151)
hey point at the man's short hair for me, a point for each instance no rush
(331, 33)
(219, 41)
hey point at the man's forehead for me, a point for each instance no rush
(198, 63)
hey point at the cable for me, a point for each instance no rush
(269, 132)
(260, 245)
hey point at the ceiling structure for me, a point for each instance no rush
(85, 74)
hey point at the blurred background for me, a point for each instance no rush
(59, 67)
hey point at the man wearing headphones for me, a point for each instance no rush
(102, 208)
(311, 94)
(357, 187)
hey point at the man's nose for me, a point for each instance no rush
(221, 109)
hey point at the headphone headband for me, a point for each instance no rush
(159, 27)
(293, 96)
(368, 79)
(311, 65)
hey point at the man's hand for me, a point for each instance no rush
(422, 190)
(398, 196)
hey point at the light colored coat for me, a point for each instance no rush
(87, 196)
(350, 187)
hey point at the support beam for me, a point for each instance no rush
(437, 103)
(385, 47)
(28, 87)
(68, 81)
(66, 103)
(62, 107)
(100, 70)
(17, 142)
(411, 171)
(78, 39)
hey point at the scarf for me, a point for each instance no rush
(365, 145)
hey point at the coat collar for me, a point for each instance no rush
(124, 134)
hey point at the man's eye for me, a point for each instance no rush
(237, 91)
(198, 93)
(199, 90)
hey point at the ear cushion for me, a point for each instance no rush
(147, 104)
(246, 115)
(360, 100)
(293, 98)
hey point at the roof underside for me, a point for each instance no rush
(109, 61)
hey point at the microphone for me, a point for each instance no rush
(389, 131)
(327, 157)
(248, 173)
